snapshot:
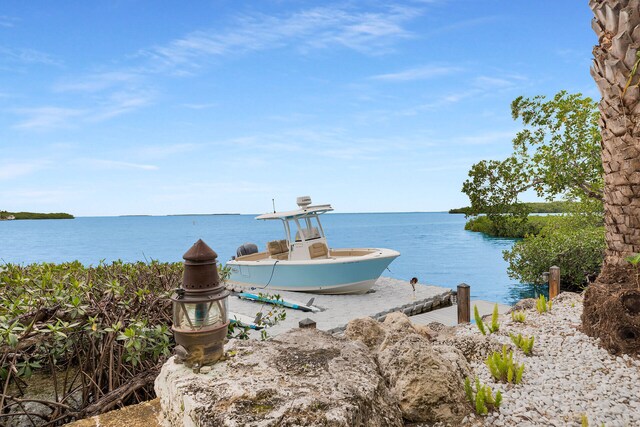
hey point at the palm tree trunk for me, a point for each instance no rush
(612, 305)
(615, 70)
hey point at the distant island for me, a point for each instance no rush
(533, 207)
(6, 216)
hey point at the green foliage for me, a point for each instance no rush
(478, 319)
(508, 226)
(634, 260)
(224, 272)
(532, 207)
(584, 421)
(574, 242)
(491, 328)
(495, 326)
(503, 368)
(557, 154)
(542, 305)
(33, 215)
(482, 398)
(525, 344)
(97, 328)
(518, 316)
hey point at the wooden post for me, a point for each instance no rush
(554, 282)
(464, 303)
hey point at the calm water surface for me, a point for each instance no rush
(434, 246)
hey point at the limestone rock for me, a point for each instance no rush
(426, 331)
(304, 377)
(475, 348)
(572, 297)
(427, 386)
(439, 327)
(367, 330)
(523, 304)
(425, 379)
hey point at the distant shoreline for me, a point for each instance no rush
(17, 216)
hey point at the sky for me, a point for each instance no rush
(130, 107)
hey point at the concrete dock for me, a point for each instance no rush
(337, 310)
(449, 315)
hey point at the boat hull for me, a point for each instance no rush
(335, 275)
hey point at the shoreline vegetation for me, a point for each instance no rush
(92, 337)
(5, 215)
(532, 207)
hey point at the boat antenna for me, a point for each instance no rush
(273, 201)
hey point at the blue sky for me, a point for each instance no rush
(165, 107)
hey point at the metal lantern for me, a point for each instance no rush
(200, 315)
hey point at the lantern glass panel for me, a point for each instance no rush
(195, 316)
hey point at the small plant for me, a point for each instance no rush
(493, 327)
(525, 344)
(482, 398)
(503, 368)
(518, 316)
(635, 262)
(542, 305)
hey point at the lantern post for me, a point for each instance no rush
(200, 309)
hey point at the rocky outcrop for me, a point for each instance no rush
(475, 348)
(304, 377)
(425, 379)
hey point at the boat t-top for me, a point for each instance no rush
(303, 261)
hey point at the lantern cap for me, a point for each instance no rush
(200, 252)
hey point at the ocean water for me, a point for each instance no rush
(434, 246)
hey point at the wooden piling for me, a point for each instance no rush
(464, 303)
(554, 282)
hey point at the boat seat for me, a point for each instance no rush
(318, 250)
(277, 248)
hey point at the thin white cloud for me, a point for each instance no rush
(120, 103)
(115, 164)
(493, 82)
(199, 106)
(8, 21)
(418, 73)
(48, 118)
(14, 170)
(97, 82)
(26, 56)
(42, 118)
(318, 28)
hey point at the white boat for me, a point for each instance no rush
(303, 260)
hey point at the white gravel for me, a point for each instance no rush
(566, 377)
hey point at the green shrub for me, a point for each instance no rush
(482, 398)
(525, 344)
(508, 227)
(574, 243)
(95, 328)
(542, 305)
(503, 368)
(493, 327)
(518, 316)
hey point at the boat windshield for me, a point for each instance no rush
(308, 228)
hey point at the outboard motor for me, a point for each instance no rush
(247, 249)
